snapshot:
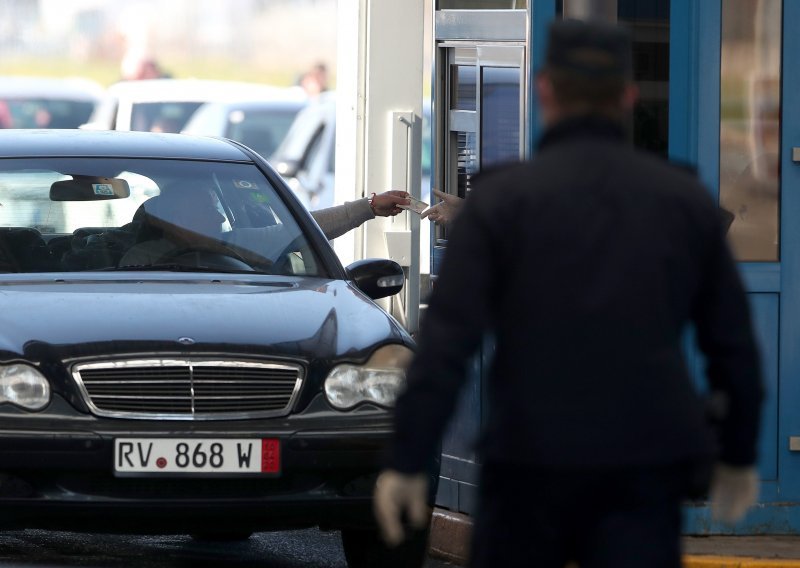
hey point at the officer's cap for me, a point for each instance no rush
(595, 49)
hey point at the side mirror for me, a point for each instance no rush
(288, 168)
(377, 277)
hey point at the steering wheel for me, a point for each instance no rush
(206, 254)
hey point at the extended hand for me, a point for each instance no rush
(397, 493)
(386, 204)
(733, 491)
(446, 210)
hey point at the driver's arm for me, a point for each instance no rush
(336, 221)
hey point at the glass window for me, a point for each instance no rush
(44, 113)
(261, 130)
(77, 214)
(649, 23)
(464, 94)
(749, 173)
(481, 4)
(162, 117)
(500, 120)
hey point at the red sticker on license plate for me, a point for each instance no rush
(270, 456)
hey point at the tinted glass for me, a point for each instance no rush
(44, 113)
(262, 131)
(464, 87)
(649, 23)
(749, 175)
(65, 215)
(500, 119)
(162, 117)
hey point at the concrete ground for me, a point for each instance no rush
(450, 533)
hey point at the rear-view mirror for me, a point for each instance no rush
(89, 188)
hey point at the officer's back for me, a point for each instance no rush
(586, 264)
(596, 256)
(604, 252)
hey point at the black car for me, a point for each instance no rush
(180, 349)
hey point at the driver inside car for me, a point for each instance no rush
(185, 220)
(175, 221)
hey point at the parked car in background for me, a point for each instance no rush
(43, 102)
(306, 160)
(306, 157)
(239, 380)
(259, 124)
(166, 105)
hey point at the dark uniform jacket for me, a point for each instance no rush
(587, 263)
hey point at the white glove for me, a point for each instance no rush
(733, 491)
(446, 210)
(397, 493)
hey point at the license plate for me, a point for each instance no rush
(197, 456)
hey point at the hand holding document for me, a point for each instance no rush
(415, 205)
(446, 210)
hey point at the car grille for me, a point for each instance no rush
(188, 389)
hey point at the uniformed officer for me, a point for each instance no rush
(587, 263)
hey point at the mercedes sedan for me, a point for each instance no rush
(180, 349)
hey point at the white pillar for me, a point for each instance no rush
(379, 87)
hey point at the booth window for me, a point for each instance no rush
(464, 91)
(649, 23)
(500, 119)
(750, 103)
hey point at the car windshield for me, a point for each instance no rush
(162, 116)
(85, 214)
(260, 130)
(44, 113)
(306, 128)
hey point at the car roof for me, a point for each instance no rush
(112, 143)
(200, 90)
(77, 89)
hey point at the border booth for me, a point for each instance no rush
(712, 76)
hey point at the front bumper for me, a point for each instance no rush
(58, 474)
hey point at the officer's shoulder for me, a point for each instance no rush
(664, 173)
(686, 169)
(680, 180)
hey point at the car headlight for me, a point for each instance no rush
(379, 380)
(24, 386)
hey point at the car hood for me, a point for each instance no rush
(285, 317)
